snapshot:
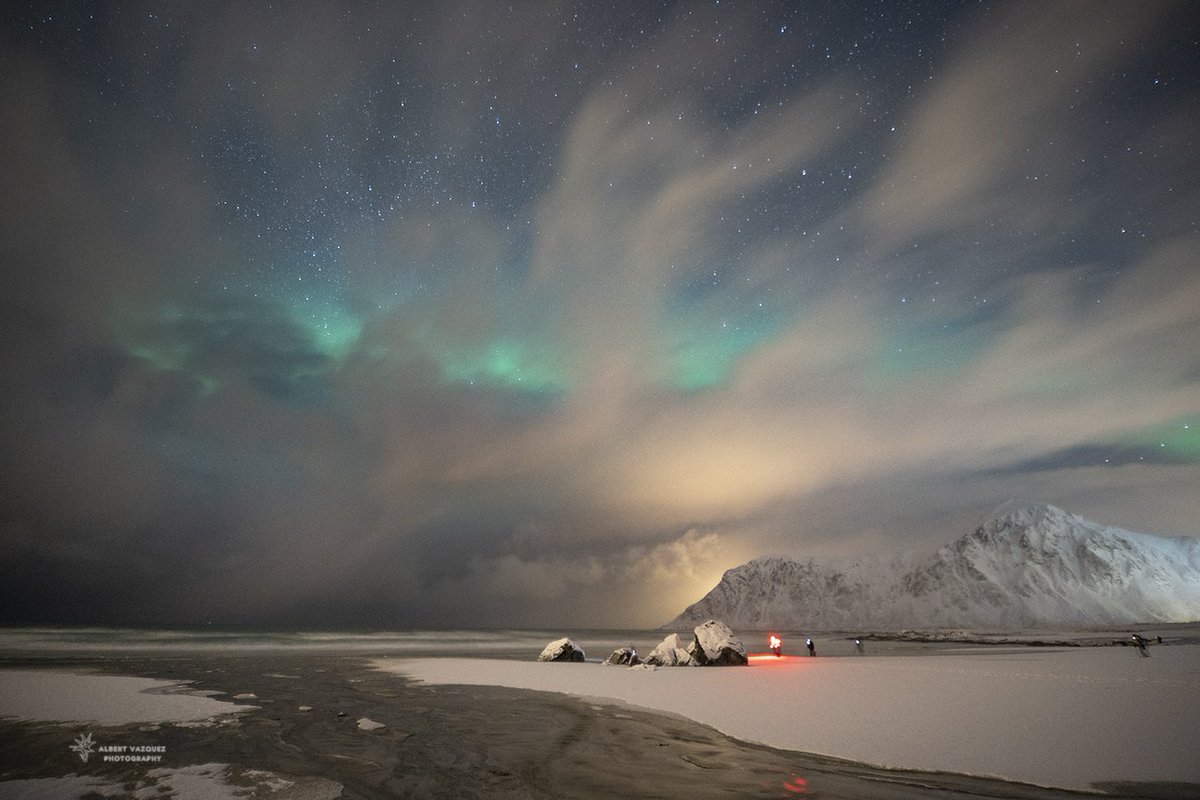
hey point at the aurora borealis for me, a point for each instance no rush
(424, 314)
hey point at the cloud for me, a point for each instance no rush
(671, 334)
(646, 203)
(56, 233)
(644, 584)
(1012, 107)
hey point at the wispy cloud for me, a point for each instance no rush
(280, 336)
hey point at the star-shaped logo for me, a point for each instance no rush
(83, 746)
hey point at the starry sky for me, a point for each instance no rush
(546, 313)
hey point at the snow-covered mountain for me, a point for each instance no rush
(1038, 567)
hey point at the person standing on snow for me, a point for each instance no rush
(1140, 644)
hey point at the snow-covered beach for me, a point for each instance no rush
(1073, 718)
(498, 724)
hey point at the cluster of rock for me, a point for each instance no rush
(713, 645)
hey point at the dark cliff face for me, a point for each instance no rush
(1036, 567)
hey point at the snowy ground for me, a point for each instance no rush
(194, 782)
(47, 696)
(112, 700)
(1066, 718)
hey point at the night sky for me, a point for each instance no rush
(484, 314)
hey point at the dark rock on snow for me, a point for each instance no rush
(562, 650)
(624, 656)
(671, 652)
(716, 646)
(713, 645)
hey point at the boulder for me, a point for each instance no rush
(716, 646)
(562, 650)
(671, 652)
(624, 657)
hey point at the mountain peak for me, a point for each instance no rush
(1036, 515)
(1036, 566)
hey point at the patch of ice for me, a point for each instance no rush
(45, 696)
(199, 781)
(270, 780)
(195, 782)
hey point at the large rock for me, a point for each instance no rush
(562, 650)
(624, 657)
(716, 646)
(671, 652)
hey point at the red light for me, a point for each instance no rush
(796, 785)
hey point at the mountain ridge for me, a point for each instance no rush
(1035, 567)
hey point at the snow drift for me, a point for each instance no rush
(1037, 567)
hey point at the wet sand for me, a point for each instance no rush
(459, 741)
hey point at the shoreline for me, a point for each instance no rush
(454, 741)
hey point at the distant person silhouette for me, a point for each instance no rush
(812, 649)
(1140, 644)
(858, 648)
